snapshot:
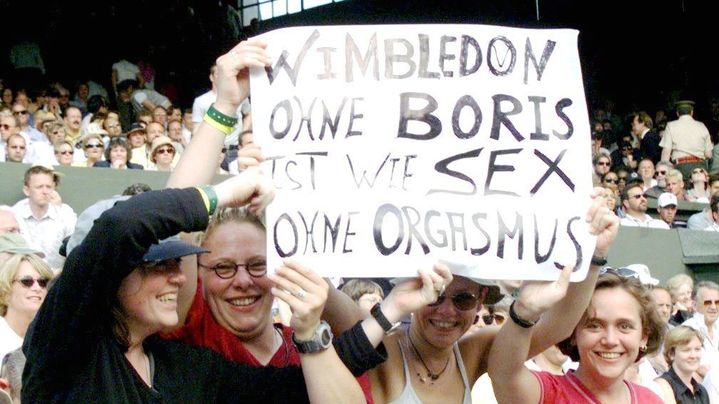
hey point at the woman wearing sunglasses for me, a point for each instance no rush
(96, 338)
(94, 148)
(23, 287)
(620, 325)
(699, 190)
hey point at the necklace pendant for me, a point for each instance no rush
(422, 379)
(433, 377)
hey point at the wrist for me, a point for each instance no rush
(226, 108)
(390, 310)
(306, 334)
(524, 313)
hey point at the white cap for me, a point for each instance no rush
(645, 277)
(666, 199)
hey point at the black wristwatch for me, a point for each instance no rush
(321, 340)
(376, 312)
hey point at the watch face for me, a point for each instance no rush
(326, 337)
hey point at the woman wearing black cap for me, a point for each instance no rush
(94, 339)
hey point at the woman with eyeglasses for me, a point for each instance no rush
(96, 338)
(620, 325)
(699, 190)
(118, 155)
(23, 287)
(64, 152)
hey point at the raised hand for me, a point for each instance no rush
(249, 155)
(602, 222)
(415, 293)
(250, 186)
(305, 292)
(536, 297)
(232, 80)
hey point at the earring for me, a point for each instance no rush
(643, 349)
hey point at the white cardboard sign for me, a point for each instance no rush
(394, 146)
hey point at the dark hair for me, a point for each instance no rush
(714, 202)
(125, 85)
(41, 170)
(96, 102)
(115, 142)
(356, 288)
(136, 188)
(653, 327)
(630, 185)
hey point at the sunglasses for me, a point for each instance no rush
(611, 180)
(708, 303)
(66, 152)
(662, 172)
(165, 150)
(639, 196)
(19, 112)
(93, 146)
(621, 272)
(462, 301)
(5, 126)
(603, 163)
(698, 171)
(490, 318)
(27, 282)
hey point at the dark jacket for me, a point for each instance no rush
(130, 166)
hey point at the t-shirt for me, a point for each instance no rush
(126, 70)
(9, 340)
(569, 389)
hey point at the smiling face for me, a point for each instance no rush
(118, 154)
(708, 304)
(609, 338)
(443, 325)
(148, 297)
(241, 304)
(24, 300)
(686, 358)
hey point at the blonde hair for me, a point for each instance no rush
(679, 336)
(228, 215)
(356, 288)
(9, 270)
(676, 281)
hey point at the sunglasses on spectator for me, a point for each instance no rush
(638, 196)
(462, 301)
(165, 150)
(611, 180)
(621, 272)
(698, 171)
(5, 126)
(662, 172)
(490, 318)
(227, 270)
(27, 282)
(65, 153)
(93, 145)
(708, 303)
(603, 163)
(23, 112)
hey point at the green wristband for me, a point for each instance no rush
(211, 196)
(221, 118)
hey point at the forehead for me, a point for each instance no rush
(26, 269)
(646, 164)
(240, 239)
(7, 120)
(614, 304)
(40, 179)
(462, 284)
(708, 293)
(661, 294)
(16, 140)
(7, 219)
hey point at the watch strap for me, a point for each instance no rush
(376, 312)
(599, 261)
(519, 320)
(314, 344)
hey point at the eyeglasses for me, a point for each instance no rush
(662, 172)
(490, 318)
(165, 150)
(611, 180)
(462, 301)
(93, 145)
(65, 153)
(602, 163)
(708, 303)
(638, 196)
(27, 282)
(622, 178)
(227, 270)
(621, 272)
(23, 112)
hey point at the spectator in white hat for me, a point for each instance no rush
(667, 209)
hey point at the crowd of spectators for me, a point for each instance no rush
(226, 302)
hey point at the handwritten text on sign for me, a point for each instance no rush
(393, 146)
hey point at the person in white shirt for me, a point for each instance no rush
(43, 214)
(714, 212)
(634, 203)
(705, 321)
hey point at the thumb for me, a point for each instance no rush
(563, 280)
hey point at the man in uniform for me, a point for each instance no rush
(686, 141)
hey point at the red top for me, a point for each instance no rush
(201, 329)
(569, 389)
